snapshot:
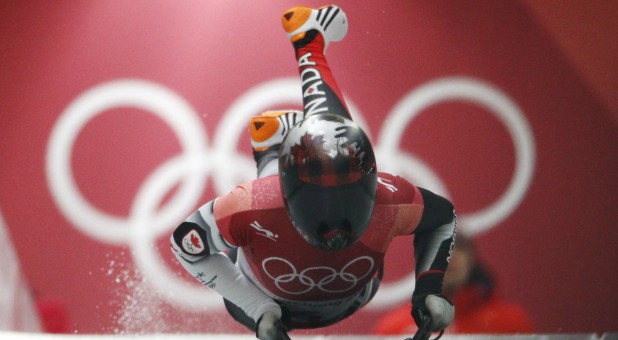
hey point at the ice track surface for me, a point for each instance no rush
(41, 336)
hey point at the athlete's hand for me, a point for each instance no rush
(269, 327)
(438, 308)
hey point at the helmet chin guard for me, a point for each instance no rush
(328, 177)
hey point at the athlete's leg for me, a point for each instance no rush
(311, 30)
(267, 131)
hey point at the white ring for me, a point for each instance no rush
(174, 110)
(390, 136)
(506, 111)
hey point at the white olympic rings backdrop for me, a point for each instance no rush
(227, 167)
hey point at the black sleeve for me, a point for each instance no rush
(433, 243)
(437, 211)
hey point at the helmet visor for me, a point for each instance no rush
(331, 217)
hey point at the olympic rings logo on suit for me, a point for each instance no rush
(148, 218)
(304, 279)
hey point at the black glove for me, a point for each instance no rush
(270, 327)
(437, 307)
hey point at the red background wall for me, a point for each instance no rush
(554, 253)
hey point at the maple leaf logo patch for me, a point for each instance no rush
(192, 243)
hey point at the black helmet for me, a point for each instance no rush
(328, 177)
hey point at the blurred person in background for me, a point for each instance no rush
(471, 287)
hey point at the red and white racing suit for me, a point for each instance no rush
(276, 270)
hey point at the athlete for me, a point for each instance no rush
(303, 245)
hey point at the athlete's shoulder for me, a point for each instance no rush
(393, 189)
(398, 194)
(235, 211)
(259, 194)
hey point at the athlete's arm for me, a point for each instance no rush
(433, 243)
(198, 245)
